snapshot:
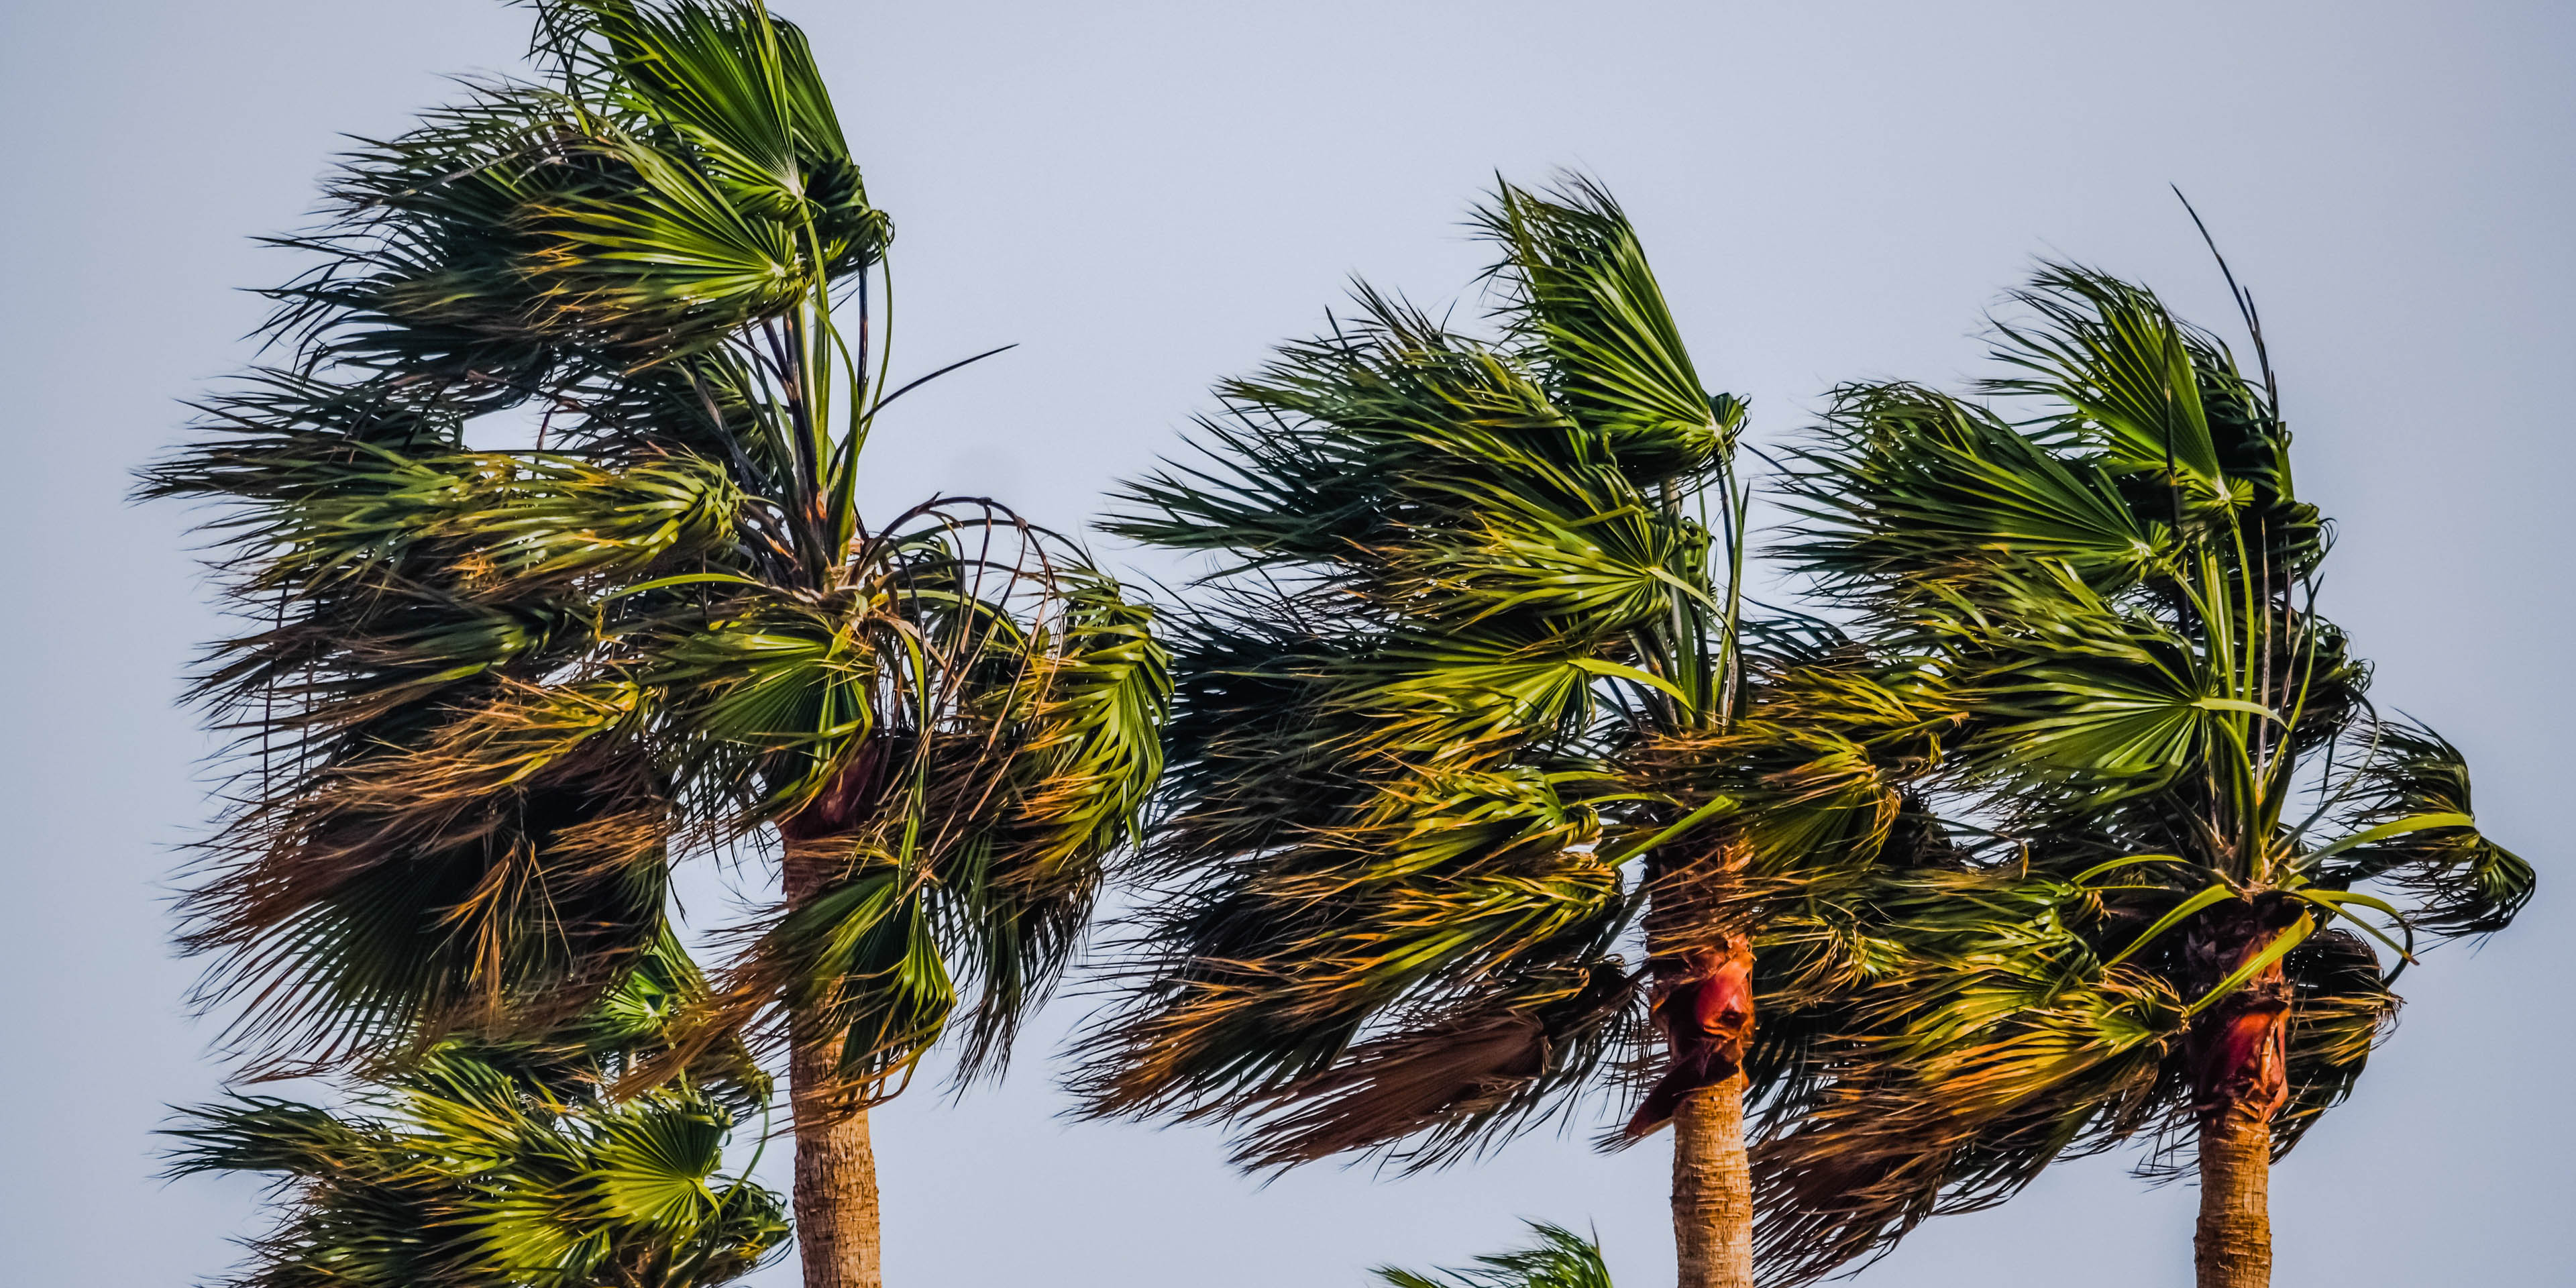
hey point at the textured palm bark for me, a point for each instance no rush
(837, 1235)
(836, 1178)
(1704, 1006)
(2233, 1246)
(837, 1221)
(1712, 1188)
(2239, 1058)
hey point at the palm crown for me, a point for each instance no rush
(1556, 1258)
(1465, 581)
(2180, 824)
(494, 693)
(1476, 705)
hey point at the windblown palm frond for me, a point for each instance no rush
(503, 1165)
(488, 697)
(1559, 1258)
(461, 1176)
(1468, 668)
(2105, 617)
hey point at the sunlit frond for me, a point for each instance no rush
(459, 1176)
(1558, 1258)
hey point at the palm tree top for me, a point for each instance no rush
(1471, 658)
(507, 1164)
(486, 697)
(2091, 601)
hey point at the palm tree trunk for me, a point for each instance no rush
(837, 1228)
(1712, 1188)
(2233, 1246)
(836, 1173)
(2239, 1057)
(1704, 1006)
(1704, 1009)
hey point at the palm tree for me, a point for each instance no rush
(2183, 825)
(1559, 1258)
(1466, 711)
(487, 698)
(504, 1166)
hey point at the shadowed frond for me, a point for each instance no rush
(2464, 883)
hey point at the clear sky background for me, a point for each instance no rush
(1145, 197)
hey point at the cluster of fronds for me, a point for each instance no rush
(490, 696)
(506, 1165)
(2106, 613)
(1473, 713)
(1470, 660)
(459, 1175)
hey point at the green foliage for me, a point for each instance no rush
(487, 698)
(1466, 694)
(1559, 1259)
(503, 1164)
(2103, 616)
(456, 1174)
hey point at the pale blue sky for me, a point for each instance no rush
(1146, 196)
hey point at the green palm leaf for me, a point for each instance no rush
(1557, 1258)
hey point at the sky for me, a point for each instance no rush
(1145, 197)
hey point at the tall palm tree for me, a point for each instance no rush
(1467, 713)
(2183, 827)
(488, 697)
(505, 1165)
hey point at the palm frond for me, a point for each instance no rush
(2461, 882)
(1557, 1258)
(458, 1175)
(1908, 485)
(1994, 1042)
(1575, 280)
(501, 1162)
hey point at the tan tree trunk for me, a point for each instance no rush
(1704, 1007)
(837, 1224)
(2233, 1246)
(2239, 1057)
(836, 1177)
(1712, 1188)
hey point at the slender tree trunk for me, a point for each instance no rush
(1712, 1188)
(1704, 1007)
(2239, 1056)
(836, 1174)
(2233, 1246)
(837, 1229)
